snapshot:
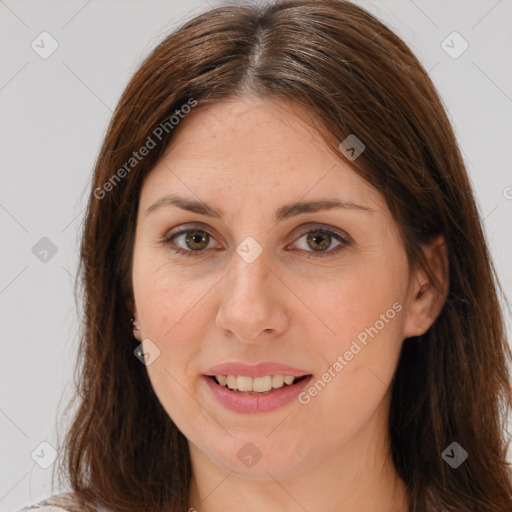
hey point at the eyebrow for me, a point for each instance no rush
(284, 212)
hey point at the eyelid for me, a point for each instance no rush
(303, 229)
(312, 226)
(184, 228)
(340, 235)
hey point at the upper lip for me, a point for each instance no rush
(258, 370)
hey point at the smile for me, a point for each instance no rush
(244, 394)
(257, 384)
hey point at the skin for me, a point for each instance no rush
(249, 157)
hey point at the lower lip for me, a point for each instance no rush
(241, 402)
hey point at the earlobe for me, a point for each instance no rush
(136, 330)
(427, 298)
(134, 321)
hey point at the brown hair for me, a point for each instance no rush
(356, 77)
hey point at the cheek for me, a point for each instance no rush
(176, 312)
(365, 313)
(169, 299)
(355, 303)
(174, 319)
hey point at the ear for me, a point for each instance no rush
(136, 333)
(425, 301)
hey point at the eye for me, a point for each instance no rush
(197, 240)
(320, 239)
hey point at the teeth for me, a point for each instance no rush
(277, 381)
(257, 384)
(261, 384)
(244, 383)
(231, 381)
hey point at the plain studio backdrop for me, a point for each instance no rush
(63, 67)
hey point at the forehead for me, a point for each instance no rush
(240, 149)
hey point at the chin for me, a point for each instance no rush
(258, 457)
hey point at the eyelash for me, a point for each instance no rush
(343, 242)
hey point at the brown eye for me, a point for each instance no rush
(194, 244)
(319, 241)
(197, 240)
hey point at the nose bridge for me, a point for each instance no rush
(248, 300)
(250, 272)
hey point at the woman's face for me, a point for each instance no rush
(252, 289)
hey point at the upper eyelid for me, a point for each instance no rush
(302, 230)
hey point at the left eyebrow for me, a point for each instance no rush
(299, 208)
(284, 212)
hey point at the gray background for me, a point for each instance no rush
(54, 113)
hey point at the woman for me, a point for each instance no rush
(289, 300)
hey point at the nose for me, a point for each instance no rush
(253, 301)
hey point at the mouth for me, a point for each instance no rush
(246, 399)
(258, 386)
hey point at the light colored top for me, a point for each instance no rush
(45, 508)
(63, 502)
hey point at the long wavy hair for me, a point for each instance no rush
(355, 76)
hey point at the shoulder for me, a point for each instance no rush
(63, 502)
